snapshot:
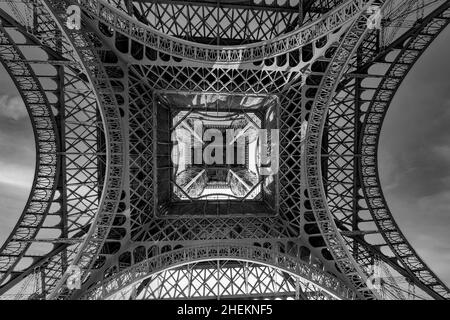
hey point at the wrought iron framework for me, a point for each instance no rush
(102, 129)
(326, 284)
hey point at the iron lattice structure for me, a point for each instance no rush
(102, 100)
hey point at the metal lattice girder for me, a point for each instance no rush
(237, 25)
(324, 217)
(47, 147)
(81, 190)
(225, 23)
(410, 50)
(138, 272)
(195, 229)
(245, 20)
(217, 228)
(75, 190)
(339, 155)
(149, 37)
(77, 123)
(108, 107)
(342, 152)
(223, 279)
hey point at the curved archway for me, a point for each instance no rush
(412, 45)
(412, 162)
(108, 16)
(120, 282)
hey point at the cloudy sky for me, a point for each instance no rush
(414, 160)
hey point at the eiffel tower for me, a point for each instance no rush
(118, 210)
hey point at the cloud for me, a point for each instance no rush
(12, 107)
(12, 200)
(17, 145)
(17, 161)
(435, 251)
(20, 176)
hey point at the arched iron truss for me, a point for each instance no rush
(342, 154)
(336, 244)
(410, 49)
(146, 35)
(145, 269)
(47, 167)
(84, 154)
(223, 279)
(107, 98)
(76, 124)
(115, 78)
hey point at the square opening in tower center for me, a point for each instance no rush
(217, 154)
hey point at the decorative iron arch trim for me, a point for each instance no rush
(325, 220)
(189, 255)
(47, 163)
(146, 35)
(411, 51)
